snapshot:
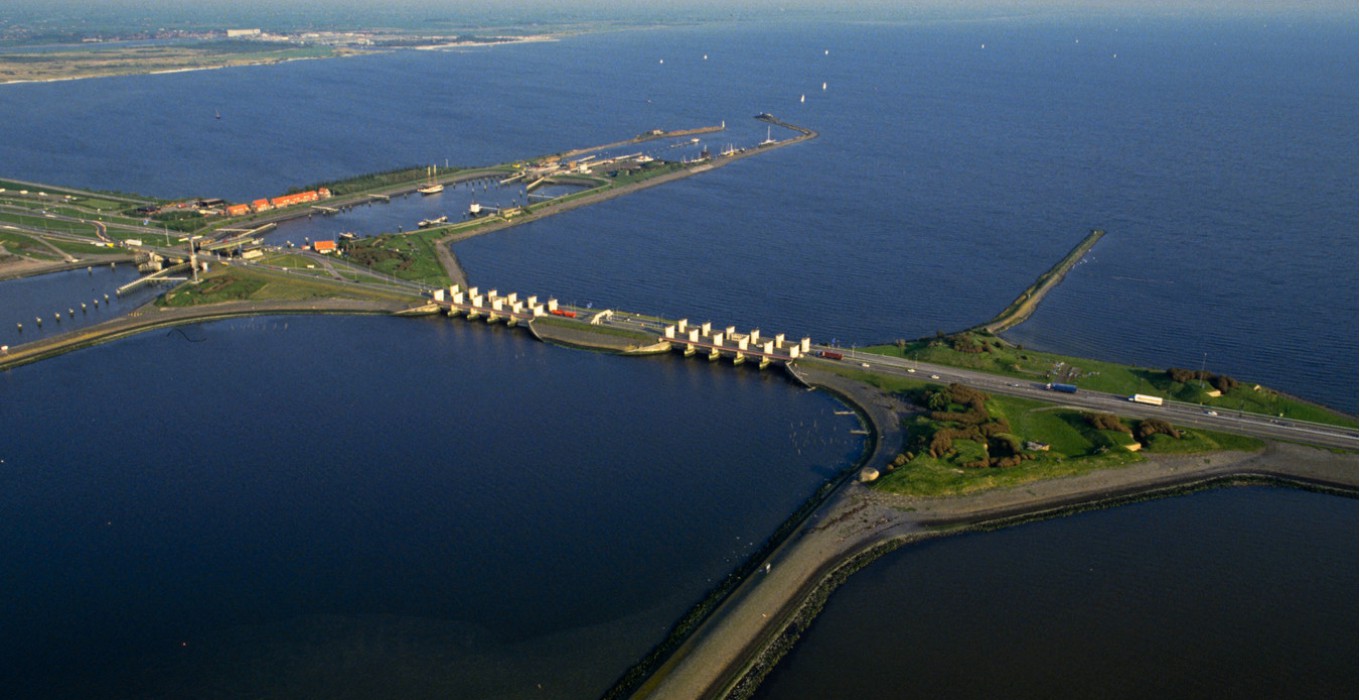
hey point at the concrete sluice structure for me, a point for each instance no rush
(693, 340)
(492, 306)
(714, 344)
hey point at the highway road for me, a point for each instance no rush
(1175, 412)
(1178, 413)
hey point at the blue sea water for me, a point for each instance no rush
(1175, 598)
(320, 507)
(956, 162)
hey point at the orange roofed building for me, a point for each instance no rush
(324, 247)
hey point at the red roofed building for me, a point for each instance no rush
(324, 247)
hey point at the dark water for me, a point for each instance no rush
(1230, 593)
(308, 506)
(321, 510)
(1218, 153)
(25, 299)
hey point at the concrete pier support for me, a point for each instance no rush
(682, 324)
(705, 328)
(552, 305)
(690, 350)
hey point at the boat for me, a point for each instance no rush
(474, 209)
(426, 223)
(347, 235)
(217, 114)
(431, 186)
(768, 139)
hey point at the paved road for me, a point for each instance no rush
(1192, 415)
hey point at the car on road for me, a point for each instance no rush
(1211, 412)
(912, 370)
(934, 376)
(864, 364)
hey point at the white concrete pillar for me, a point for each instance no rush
(532, 301)
(472, 292)
(517, 307)
(513, 297)
(741, 344)
(682, 324)
(492, 294)
(793, 352)
(778, 338)
(454, 289)
(552, 304)
(805, 345)
(540, 311)
(669, 332)
(768, 347)
(497, 304)
(706, 328)
(458, 297)
(755, 335)
(479, 301)
(439, 295)
(717, 338)
(694, 335)
(730, 331)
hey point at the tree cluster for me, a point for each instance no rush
(1222, 382)
(1107, 421)
(1148, 427)
(975, 423)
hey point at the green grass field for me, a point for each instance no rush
(1074, 446)
(1000, 357)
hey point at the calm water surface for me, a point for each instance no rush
(373, 506)
(1230, 593)
(301, 506)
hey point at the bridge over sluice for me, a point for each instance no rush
(690, 340)
(473, 304)
(727, 342)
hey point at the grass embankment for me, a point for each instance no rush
(638, 337)
(228, 284)
(968, 441)
(409, 256)
(987, 353)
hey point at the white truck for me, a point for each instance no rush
(1149, 400)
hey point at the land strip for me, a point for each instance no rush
(740, 642)
(1024, 305)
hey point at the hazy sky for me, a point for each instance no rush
(633, 8)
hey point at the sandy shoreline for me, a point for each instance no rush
(747, 634)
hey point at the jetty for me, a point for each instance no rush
(1025, 304)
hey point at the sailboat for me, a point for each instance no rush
(217, 114)
(432, 186)
(768, 139)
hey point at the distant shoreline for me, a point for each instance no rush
(225, 59)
